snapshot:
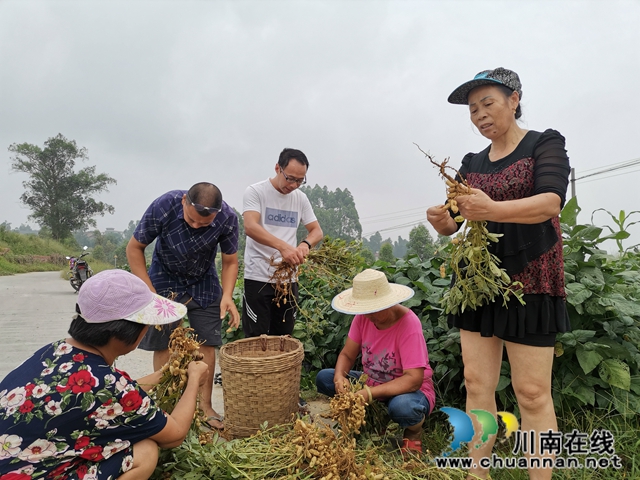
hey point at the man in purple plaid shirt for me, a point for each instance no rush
(188, 227)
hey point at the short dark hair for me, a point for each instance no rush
(507, 93)
(99, 334)
(207, 195)
(289, 154)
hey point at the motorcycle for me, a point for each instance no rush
(79, 270)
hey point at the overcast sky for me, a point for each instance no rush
(165, 94)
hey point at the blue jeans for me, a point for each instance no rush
(406, 409)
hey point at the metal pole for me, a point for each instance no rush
(573, 182)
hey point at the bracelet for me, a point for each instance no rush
(366, 387)
(304, 241)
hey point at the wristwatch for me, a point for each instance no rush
(304, 241)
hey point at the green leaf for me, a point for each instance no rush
(584, 393)
(582, 336)
(412, 302)
(570, 212)
(590, 233)
(615, 350)
(577, 293)
(615, 373)
(629, 275)
(619, 304)
(503, 383)
(615, 236)
(588, 359)
(413, 273)
(592, 278)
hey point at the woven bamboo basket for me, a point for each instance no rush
(260, 382)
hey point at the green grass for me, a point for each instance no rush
(21, 253)
(29, 253)
(8, 267)
(436, 438)
(20, 244)
(96, 266)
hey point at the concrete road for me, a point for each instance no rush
(36, 309)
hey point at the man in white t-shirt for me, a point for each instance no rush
(272, 210)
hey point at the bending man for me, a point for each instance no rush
(188, 227)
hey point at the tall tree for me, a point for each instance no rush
(242, 238)
(400, 247)
(420, 242)
(386, 253)
(128, 233)
(373, 243)
(336, 212)
(60, 198)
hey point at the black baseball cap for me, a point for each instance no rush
(500, 76)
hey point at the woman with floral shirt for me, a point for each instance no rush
(67, 413)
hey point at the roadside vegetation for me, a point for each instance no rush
(21, 253)
(29, 253)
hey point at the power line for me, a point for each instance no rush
(610, 176)
(393, 213)
(411, 216)
(612, 165)
(395, 227)
(620, 166)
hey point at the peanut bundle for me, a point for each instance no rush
(478, 278)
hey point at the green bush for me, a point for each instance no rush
(597, 364)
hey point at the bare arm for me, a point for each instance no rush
(257, 232)
(150, 380)
(345, 362)
(410, 381)
(314, 233)
(229, 275)
(137, 262)
(179, 422)
(535, 209)
(438, 216)
(314, 236)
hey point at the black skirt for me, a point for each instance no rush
(536, 323)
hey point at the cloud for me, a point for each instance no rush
(165, 94)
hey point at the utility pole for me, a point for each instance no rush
(573, 182)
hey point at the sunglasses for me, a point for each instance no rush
(201, 208)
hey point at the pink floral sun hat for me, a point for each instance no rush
(119, 295)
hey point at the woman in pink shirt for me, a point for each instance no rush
(394, 353)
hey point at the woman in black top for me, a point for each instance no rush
(518, 185)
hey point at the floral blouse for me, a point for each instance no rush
(66, 414)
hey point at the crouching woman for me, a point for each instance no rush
(394, 354)
(67, 413)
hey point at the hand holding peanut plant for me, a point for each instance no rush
(478, 279)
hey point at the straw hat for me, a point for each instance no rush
(370, 293)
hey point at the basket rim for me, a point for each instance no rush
(299, 346)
